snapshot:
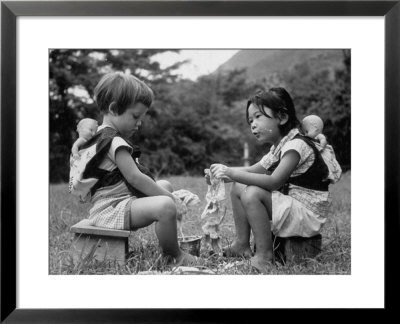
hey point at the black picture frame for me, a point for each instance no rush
(10, 11)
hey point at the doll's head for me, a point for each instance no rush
(312, 126)
(87, 128)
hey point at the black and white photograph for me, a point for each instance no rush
(162, 160)
(214, 162)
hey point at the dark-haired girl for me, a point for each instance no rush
(286, 192)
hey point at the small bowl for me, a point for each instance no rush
(190, 244)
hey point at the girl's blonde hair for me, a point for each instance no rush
(122, 89)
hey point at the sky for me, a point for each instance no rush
(201, 61)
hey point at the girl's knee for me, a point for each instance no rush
(166, 185)
(167, 208)
(237, 189)
(253, 194)
(145, 211)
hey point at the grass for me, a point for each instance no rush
(335, 257)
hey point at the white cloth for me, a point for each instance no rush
(78, 186)
(328, 154)
(188, 198)
(215, 209)
(290, 217)
(184, 199)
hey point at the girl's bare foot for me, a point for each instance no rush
(185, 259)
(236, 250)
(261, 264)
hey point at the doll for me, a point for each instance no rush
(312, 127)
(86, 129)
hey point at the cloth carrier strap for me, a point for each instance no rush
(107, 178)
(314, 177)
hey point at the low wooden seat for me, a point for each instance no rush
(108, 244)
(296, 248)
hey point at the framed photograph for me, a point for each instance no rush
(38, 38)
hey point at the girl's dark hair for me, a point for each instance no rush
(122, 89)
(280, 102)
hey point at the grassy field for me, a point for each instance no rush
(65, 211)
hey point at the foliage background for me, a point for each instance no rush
(192, 123)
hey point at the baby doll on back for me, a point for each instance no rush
(312, 127)
(86, 129)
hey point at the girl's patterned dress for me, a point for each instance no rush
(298, 211)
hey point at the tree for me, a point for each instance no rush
(73, 76)
(326, 93)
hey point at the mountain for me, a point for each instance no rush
(262, 63)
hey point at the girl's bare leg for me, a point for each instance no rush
(162, 210)
(258, 205)
(241, 245)
(159, 209)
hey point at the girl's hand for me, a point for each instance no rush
(221, 171)
(207, 176)
(181, 208)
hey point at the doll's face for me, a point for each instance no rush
(87, 129)
(312, 126)
(87, 133)
(311, 132)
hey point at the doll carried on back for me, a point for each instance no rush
(312, 127)
(86, 153)
(78, 185)
(86, 128)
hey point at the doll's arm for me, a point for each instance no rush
(77, 144)
(321, 139)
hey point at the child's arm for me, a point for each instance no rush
(136, 178)
(255, 168)
(271, 182)
(77, 144)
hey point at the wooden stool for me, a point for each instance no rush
(296, 248)
(108, 244)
